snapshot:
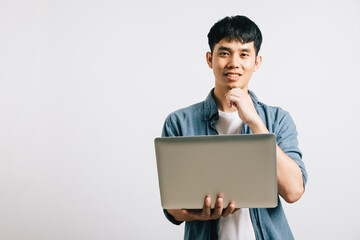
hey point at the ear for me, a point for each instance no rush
(209, 59)
(257, 63)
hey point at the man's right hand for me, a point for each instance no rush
(206, 213)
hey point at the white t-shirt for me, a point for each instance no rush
(238, 225)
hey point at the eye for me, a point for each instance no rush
(223, 53)
(244, 55)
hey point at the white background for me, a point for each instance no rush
(85, 87)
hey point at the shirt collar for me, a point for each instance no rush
(210, 108)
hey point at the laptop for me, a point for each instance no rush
(242, 167)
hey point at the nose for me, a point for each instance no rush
(234, 61)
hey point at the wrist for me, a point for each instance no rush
(257, 126)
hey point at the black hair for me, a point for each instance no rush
(238, 28)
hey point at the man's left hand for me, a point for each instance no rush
(242, 101)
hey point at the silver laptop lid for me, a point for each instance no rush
(242, 167)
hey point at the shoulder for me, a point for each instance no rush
(184, 121)
(275, 112)
(191, 111)
(267, 112)
(277, 120)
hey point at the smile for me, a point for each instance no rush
(232, 74)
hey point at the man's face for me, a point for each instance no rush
(233, 64)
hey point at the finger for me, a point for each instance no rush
(234, 90)
(227, 100)
(184, 211)
(234, 100)
(207, 207)
(236, 209)
(231, 100)
(228, 92)
(237, 91)
(218, 208)
(191, 211)
(229, 209)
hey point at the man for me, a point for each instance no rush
(231, 108)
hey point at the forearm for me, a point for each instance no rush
(290, 182)
(289, 176)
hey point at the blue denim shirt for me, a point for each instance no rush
(199, 119)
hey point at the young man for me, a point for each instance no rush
(231, 108)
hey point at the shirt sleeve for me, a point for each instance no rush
(286, 138)
(169, 130)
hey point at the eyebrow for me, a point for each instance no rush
(223, 48)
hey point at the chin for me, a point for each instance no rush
(234, 85)
(230, 85)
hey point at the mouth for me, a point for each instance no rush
(232, 76)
